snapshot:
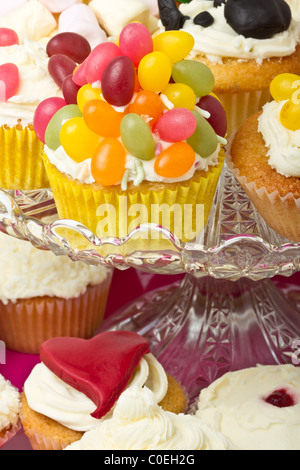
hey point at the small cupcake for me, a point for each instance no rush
(245, 43)
(79, 382)
(137, 411)
(43, 295)
(265, 158)
(25, 82)
(10, 406)
(143, 142)
(256, 408)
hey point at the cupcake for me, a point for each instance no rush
(265, 158)
(256, 408)
(25, 83)
(79, 382)
(144, 142)
(43, 295)
(137, 411)
(9, 411)
(245, 43)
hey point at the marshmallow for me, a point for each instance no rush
(6, 7)
(153, 6)
(56, 6)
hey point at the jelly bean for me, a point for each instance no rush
(59, 67)
(135, 41)
(204, 140)
(43, 113)
(176, 125)
(175, 161)
(79, 74)
(73, 45)
(281, 87)
(87, 93)
(108, 162)
(118, 81)
(290, 115)
(218, 118)
(102, 118)
(195, 74)
(53, 129)
(98, 59)
(154, 71)
(181, 95)
(8, 37)
(78, 141)
(137, 137)
(147, 104)
(176, 44)
(70, 90)
(9, 81)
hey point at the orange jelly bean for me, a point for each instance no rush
(175, 161)
(108, 162)
(147, 103)
(102, 118)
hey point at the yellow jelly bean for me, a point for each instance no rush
(181, 95)
(281, 87)
(176, 44)
(87, 93)
(290, 115)
(154, 71)
(78, 141)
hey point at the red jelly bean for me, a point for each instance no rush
(8, 37)
(73, 45)
(135, 41)
(176, 125)
(43, 114)
(59, 67)
(118, 81)
(217, 119)
(70, 90)
(9, 81)
(280, 398)
(98, 59)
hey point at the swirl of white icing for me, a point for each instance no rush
(49, 395)
(9, 404)
(235, 406)
(139, 423)
(219, 40)
(36, 84)
(283, 144)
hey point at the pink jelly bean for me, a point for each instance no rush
(73, 45)
(9, 81)
(8, 37)
(98, 59)
(176, 125)
(70, 90)
(43, 113)
(135, 41)
(59, 67)
(79, 74)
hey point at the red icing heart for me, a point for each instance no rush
(9, 81)
(99, 367)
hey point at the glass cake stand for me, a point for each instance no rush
(226, 313)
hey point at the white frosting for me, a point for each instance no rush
(295, 7)
(139, 423)
(31, 20)
(283, 144)
(28, 272)
(9, 404)
(49, 395)
(220, 40)
(234, 405)
(36, 84)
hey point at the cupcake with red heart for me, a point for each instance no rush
(9, 411)
(78, 383)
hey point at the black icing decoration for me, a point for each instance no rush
(217, 3)
(170, 16)
(259, 19)
(204, 19)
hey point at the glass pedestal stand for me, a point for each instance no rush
(226, 314)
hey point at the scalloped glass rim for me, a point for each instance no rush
(236, 241)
